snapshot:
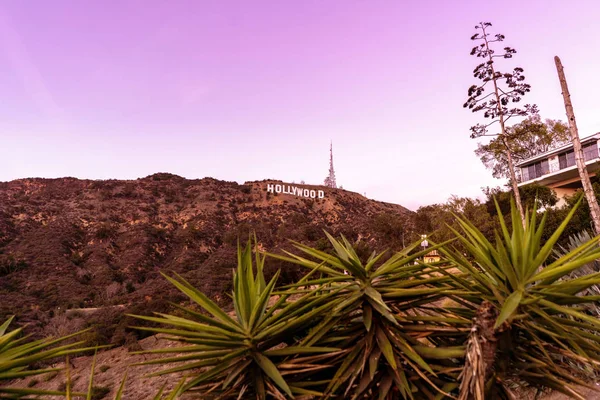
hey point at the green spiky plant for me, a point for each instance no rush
(89, 395)
(394, 345)
(528, 324)
(18, 354)
(253, 353)
(576, 241)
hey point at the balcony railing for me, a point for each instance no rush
(565, 160)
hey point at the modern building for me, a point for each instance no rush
(557, 170)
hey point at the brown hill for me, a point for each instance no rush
(81, 244)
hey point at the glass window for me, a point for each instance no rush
(545, 167)
(570, 159)
(562, 161)
(566, 159)
(536, 170)
(590, 151)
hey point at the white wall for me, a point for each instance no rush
(561, 193)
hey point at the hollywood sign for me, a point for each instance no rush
(288, 189)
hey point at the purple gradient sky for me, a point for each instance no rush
(248, 90)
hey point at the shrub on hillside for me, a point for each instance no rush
(10, 264)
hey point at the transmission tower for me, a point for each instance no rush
(330, 180)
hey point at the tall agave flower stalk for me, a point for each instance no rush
(529, 324)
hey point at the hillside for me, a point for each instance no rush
(70, 244)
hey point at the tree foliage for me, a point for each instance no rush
(439, 220)
(533, 195)
(582, 219)
(525, 140)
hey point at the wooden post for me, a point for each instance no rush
(579, 159)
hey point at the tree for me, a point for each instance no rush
(579, 158)
(525, 140)
(508, 88)
(391, 228)
(439, 220)
(532, 195)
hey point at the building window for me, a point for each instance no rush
(524, 174)
(544, 167)
(590, 151)
(531, 170)
(535, 170)
(566, 160)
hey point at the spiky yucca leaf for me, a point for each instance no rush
(538, 320)
(575, 241)
(89, 395)
(393, 345)
(17, 354)
(253, 352)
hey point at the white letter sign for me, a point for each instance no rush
(301, 192)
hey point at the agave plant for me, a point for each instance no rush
(394, 345)
(574, 242)
(18, 354)
(253, 353)
(528, 324)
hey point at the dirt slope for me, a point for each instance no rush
(67, 244)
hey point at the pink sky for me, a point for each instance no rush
(241, 90)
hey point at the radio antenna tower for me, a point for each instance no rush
(330, 180)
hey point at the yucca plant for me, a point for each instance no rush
(18, 354)
(251, 354)
(575, 241)
(394, 345)
(528, 324)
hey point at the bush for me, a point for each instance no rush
(32, 383)
(246, 189)
(129, 287)
(99, 392)
(106, 231)
(10, 264)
